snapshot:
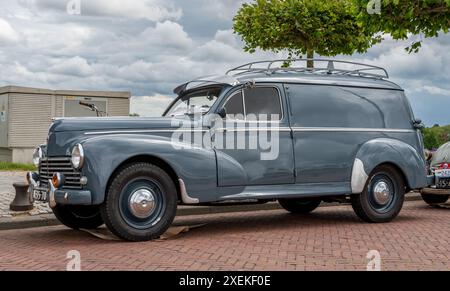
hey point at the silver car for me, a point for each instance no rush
(439, 166)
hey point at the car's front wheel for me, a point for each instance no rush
(79, 217)
(300, 206)
(141, 203)
(383, 196)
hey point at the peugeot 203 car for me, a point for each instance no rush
(335, 134)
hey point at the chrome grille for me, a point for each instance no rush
(49, 166)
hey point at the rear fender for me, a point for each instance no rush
(388, 151)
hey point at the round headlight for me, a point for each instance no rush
(77, 158)
(37, 156)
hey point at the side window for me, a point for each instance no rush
(331, 106)
(263, 100)
(235, 106)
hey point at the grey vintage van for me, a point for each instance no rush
(264, 131)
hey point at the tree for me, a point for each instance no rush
(402, 18)
(430, 139)
(303, 27)
(338, 26)
(436, 136)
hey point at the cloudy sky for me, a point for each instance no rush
(149, 47)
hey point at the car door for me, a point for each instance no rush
(330, 123)
(255, 145)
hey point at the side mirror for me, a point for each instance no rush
(222, 113)
(417, 123)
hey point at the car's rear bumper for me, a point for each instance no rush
(431, 180)
(435, 186)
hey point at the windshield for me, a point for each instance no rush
(198, 102)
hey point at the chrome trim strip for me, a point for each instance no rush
(350, 129)
(295, 129)
(144, 131)
(51, 194)
(253, 129)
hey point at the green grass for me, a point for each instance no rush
(16, 167)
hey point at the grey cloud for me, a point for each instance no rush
(8, 35)
(149, 47)
(76, 66)
(153, 10)
(167, 34)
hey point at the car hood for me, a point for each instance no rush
(114, 123)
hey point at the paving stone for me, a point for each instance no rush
(331, 238)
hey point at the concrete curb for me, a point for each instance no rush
(23, 222)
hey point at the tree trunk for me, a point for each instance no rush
(310, 63)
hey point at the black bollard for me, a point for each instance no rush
(23, 200)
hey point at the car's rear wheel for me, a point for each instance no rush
(300, 206)
(79, 217)
(383, 196)
(435, 199)
(141, 203)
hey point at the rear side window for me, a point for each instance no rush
(263, 100)
(332, 106)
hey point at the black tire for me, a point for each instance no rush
(369, 208)
(435, 199)
(79, 217)
(300, 206)
(157, 215)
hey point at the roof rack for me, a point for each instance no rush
(270, 67)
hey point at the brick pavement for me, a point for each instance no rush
(332, 238)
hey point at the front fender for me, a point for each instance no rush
(104, 154)
(392, 151)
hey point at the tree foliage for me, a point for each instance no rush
(436, 136)
(402, 18)
(338, 26)
(302, 27)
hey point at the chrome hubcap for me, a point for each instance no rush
(381, 193)
(142, 203)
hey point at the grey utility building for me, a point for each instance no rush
(26, 115)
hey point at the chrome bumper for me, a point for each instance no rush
(432, 189)
(59, 196)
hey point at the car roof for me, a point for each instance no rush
(289, 78)
(325, 72)
(308, 78)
